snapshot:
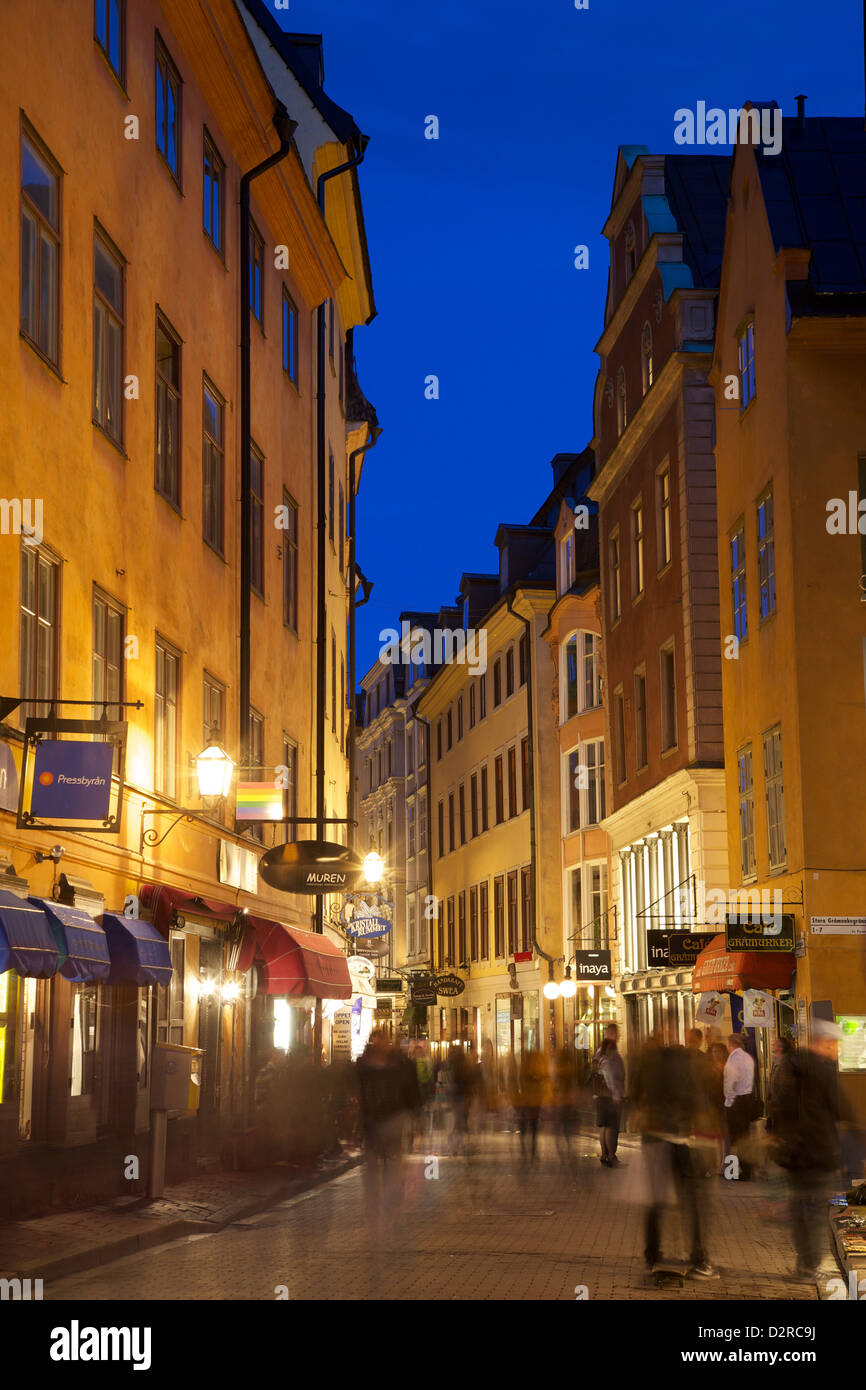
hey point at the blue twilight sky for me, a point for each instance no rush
(471, 236)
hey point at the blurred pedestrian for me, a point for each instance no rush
(532, 1096)
(806, 1136)
(388, 1095)
(609, 1090)
(739, 1084)
(708, 1124)
(667, 1098)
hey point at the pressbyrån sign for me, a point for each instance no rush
(72, 783)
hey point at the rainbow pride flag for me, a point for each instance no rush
(259, 801)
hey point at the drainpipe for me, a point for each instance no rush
(375, 432)
(321, 587)
(285, 128)
(532, 850)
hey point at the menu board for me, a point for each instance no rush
(852, 1046)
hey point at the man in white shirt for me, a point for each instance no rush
(738, 1081)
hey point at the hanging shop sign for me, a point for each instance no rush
(754, 933)
(310, 866)
(593, 966)
(448, 985)
(66, 783)
(423, 994)
(675, 948)
(8, 779)
(758, 1009)
(711, 1008)
(389, 985)
(366, 925)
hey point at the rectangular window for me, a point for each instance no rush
(498, 790)
(512, 912)
(108, 22)
(449, 731)
(640, 720)
(82, 1080)
(257, 275)
(257, 522)
(499, 916)
(590, 689)
(497, 683)
(213, 709)
(107, 667)
(214, 195)
(615, 574)
(746, 359)
(334, 694)
(290, 792)
(570, 679)
(331, 496)
(746, 800)
(524, 772)
(439, 741)
(450, 948)
(473, 924)
(526, 925)
(166, 720)
(168, 412)
(484, 922)
(410, 830)
(461, 804)
(512, 783)
(108, 316)
(509, 672)
(572, 791)
(473, 804)
(290, 564)
(40, 620)
(484, 818)
(472, 705)
(619, 735)
(410, 752)
(738, 583)
(168, 110)
(256, 738)
(169, 998)
(592, 754)
(440, 934)
(766, 556)
(422, 825)
(441, 829)
(637, 578)
(290, 338)
(482, 697)
(459, 717)
(775, 792)
(668, 697)
(341, 524)
(523, 658)
(412, 932)
(450, 821)
(663, 517)
(461, 929)
(40, 248)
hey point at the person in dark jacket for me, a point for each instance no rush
(388, 1093)
(610, 1095)
(782, 1088)
(667, 1095)
(805, 1131)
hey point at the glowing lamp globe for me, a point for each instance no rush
(214, 768)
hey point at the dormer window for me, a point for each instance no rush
(621, 408)
(646, 357)
(630, 252)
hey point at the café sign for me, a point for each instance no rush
(772, 933)
(676, 948)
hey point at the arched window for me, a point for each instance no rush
(630, 252)
(621, 408)
(646, 357)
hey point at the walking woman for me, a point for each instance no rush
(609, 1070)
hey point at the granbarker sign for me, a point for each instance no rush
(310, 866)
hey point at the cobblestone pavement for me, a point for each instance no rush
(488, 1227)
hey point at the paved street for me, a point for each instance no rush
(486, 1228)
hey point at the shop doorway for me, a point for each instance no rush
(210, 965)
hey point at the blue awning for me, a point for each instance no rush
(27, 942)
(82, 939)
(138, 951)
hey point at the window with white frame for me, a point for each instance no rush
(746, 357)
(621, 405)
(738, 583)
(766, 556)
(412, 930)
(637, 575)
(568, 692)
(746, 801)
(615, 574)
(646, 357)
(668, 691)
(775, 793)
(590, 687)
(410, 829)
(663, 516)
(584, 792)
(566, 558)
(640, 730)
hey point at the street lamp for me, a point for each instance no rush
(551, 990)
(214, 768)
(374, 867)
(568, 988)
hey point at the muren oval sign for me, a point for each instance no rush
(310, 866)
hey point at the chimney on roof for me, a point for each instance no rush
(801, 111)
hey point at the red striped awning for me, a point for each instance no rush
(716, 968)
(165, 901)
(295, 962)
